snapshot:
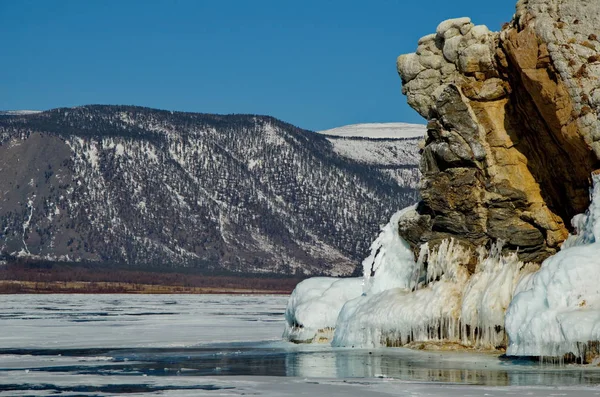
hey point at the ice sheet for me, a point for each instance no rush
(59, 321)
(98, 353)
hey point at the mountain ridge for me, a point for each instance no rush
(391, 130)
(136, 185)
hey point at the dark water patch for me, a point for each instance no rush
(92, 314)
(127, 352)
(106, 316)
(55, 309)
(59, 314)
(520, 360)
(153, 314)
(261, 320)
(82, 352)
(245, 314)
(115, 389)
(11, 315)
(200, 362)
(269, 314)
(262, 359)
(164, 362)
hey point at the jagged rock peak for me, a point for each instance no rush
(513, 130)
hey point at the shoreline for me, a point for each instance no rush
(17, 287)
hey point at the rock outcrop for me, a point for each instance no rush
(513, 130)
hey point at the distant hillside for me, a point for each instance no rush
(379, 131)
(18, 112)
(391, 148)
(158, 189)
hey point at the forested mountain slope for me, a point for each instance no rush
(142, 187)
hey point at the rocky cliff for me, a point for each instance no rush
(512, 141)
(140, 187)
(513, 131)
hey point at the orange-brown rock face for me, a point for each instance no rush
(512, 137)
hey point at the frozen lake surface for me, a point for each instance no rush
(214, 345)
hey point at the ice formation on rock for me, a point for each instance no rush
(400, 315)
(403, 300)
(553, 311)
(556, 311)
(446, 305)
(314, 305)
(488, 294)
(391, 262)
(513, 134)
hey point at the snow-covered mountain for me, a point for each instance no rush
(18, 112)
(391, 148)
(378, 131)
(144, 187)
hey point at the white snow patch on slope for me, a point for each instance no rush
(378, 152)
(273, 136)
(92, 155)
(408, 177)
(385, 144)
(378, 131)
(119, 150)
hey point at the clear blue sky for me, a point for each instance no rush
(316, 64)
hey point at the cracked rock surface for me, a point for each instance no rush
(513, 130)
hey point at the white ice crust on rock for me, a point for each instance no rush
(401, 301)
(391, 262)
(314, 305)
(488, 295)
(556, 311)
(551, 312)
(399, 315)
(445, 304)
